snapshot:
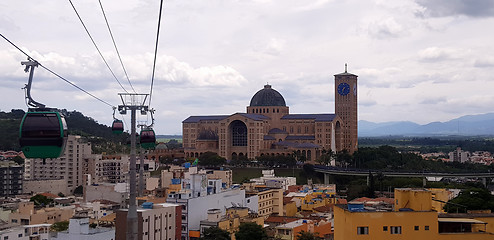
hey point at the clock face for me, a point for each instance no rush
(354, 89)
(343, 89)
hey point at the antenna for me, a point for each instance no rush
(345, 68)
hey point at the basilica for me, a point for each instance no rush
(268, 128)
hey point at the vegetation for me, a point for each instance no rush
(277, 161)
(215, 233)
(303, 235)
(59, 226)
(471, 199)
(79, 190)
(432, 144)
(211, 159)
(251, 231)
(40, 200)
(388, 158)
(101, 137)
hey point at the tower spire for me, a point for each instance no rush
(345, 68)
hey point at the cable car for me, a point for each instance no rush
(148, 138)
(117, 126)
(43, 134)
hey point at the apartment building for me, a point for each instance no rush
(10, 178)
(69, 166)
(155, 221)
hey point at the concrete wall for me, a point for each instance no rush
(106, 192)
(54, 186)
(198, 207)
(152, 183)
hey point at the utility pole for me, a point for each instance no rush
(132, 102)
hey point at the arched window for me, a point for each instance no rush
(239, 133)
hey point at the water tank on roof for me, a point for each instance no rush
(176, 180)
(147, 205)
(355, 207)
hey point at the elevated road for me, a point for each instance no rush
(327, 170)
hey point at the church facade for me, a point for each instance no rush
(268, 128)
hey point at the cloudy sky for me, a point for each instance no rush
(417, 60)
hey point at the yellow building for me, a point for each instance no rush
(27, 215)
(289, 207)
(270, 200)
(440, 197)
(412, 218)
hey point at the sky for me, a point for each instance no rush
(417, 60)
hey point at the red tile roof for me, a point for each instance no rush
(49, 195)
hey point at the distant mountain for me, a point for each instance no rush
(469, 125)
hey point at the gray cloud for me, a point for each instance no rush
(444, 8)
(433, 100)
(484, 63)
(385, 28)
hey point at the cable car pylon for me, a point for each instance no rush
(132, 102)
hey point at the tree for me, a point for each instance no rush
(344, 158)
(79, 190)
(40, 200)
(211, 159)
(303, 235)
(251, 231)
(326, 157)
(214, 233)
(19, 160)
(471, 199)
(59, 226)
(371, 189)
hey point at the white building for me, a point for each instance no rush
(200, 194)
(158, 221)
(68, 167)
(79, 230)
(270, 180)
(27, 232)
(459, 156)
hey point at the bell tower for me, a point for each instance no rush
(346, 108)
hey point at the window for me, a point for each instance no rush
(396, 230)
(385, 228)
(416, 228)
(239, 133)
(362, 230)
(426, 228)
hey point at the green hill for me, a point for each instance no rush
(101, 136)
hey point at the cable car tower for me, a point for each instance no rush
(133, 102)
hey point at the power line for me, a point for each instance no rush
(155, 53)
(69, 82)
(94, 43)
(52, 72)
(114, 44)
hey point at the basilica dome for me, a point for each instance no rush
(267, 97)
